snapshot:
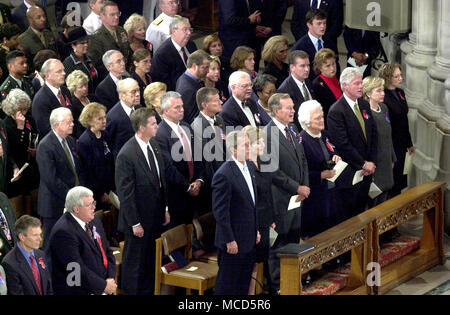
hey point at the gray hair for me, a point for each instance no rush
(47, 66)
(13, 100)
(75, 196)
(348, 75)
(274, 101)
(262, 80)
(92, 1)
(106, 58)
(165, 99)
(304, 112)
(236, 76)
(174, 24)
(124, 84)
(57, 115)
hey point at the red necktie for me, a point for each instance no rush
(35, 271)
(61, 99)
(187, 151)
(97, 237)
(185, 56)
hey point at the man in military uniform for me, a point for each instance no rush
(9, 34)
(109, 36)
(17, 68)
(36, 37)
(158, 31)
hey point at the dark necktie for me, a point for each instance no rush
(314, 4)
(69, 157)
(187, 151)
(151, 160)
(89, 232)
(61, 99)
(132, 111)
(5, 228)
(305, 92)
(36, 276)
(289, 138)
(319, 45)
(185, 56)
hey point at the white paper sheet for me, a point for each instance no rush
(358, 177)
(339, 168)
(374, 191)
(351, 61)
(272, 236)
(20, 171)
(408, 164)
(114, 199)
(293, 204)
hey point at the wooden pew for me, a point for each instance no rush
(360, 235)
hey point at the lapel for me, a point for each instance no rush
(52, 97)
(143, 163)
(81, 232)
(175, 53)
(160, 160)
(241, 117)
(284, 142)
(34, 37)
(296, 93)
(242, 182)
(353, 120)
(42, 272)
(58, 147)
(23, 263)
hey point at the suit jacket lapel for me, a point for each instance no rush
(240, 113)
(83, 234)
(353, 119)
(240, 178)
(159, 158)
(42, 272)
(26, 268)
(144, 165)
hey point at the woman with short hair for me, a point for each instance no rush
(213, 78)
(136, 26)
(152, 97)
(213, 46)
(142, 62)
(274, 54)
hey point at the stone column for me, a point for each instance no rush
(407, 45)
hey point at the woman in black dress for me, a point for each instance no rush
(264, 204)
(395, 100)
(274, 55)
(142, 62)
(214, 80)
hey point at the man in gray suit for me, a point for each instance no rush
(287, 160)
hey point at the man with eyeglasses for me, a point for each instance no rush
(118, 123)
(239, 109)
(59, 168)
(78, 246)
(170, 60)
(109, 36)
(158, 31)
(106, 91)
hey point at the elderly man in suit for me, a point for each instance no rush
(118, 123)
(58, 167)
(209, 133)
(239, 110)
(7, 220)
(142, 189)
(53, 94)
(297, 84)
(82, 261)
(106, 91)
(185, 175)
(234, 208)
(191, 81)
(158, 31)
(353, 131)
(26, 265)
(36, 37)
(109, 36)
(169, 61)
(286, 158)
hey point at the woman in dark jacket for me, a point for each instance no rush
(142, 62)
(395, 100)
(96, 160)
(78, 58)
(274, 54)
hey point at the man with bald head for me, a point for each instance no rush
(53, 94)
(36, 37)
(19, 14)
(118, 123)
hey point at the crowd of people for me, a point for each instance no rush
(176, 131)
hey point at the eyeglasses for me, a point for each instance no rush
(119, 61)
(114, 14)
(245, 86)
(92, 204)
(134, 92)
(173, 2)
(186, 29)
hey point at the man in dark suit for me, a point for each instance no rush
(118, 123)
(353, 131)
(297, 84)
(169, 61)
(109, 36)
(37, 37)
(53, 94)
(7, 220)
(335, 12)
(106, 91)
(185, 174)
(209, 133)
(58, 167)
(239, 109)
(286, 158)
(26, 265)
(191, 81)
(82, 261)
(234, 208)
(142, 189)
(313, 41)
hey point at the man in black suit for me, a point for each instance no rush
(26, 265)
(7, 220)
(142, 189)
(106, 91)
(58, 167)
(335, 12)
(209, 134)
(234, 208)
(297, 84)
(185, 174)
(82, 261)
(169, 61)
(286, 158)
(53, 94)
(118, 123)
(191, 81)
(353, 131)
(313, 41)
(239, 110)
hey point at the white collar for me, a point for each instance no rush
(315, 39)
(114, 78)
(239, 164)
(350, 102)
(19, 82)
(80, 222)
(177, 47)
(26, 4)
(209, 119)
(126, 108)
(173, 125)
(238, 101)
(53, 89)
(280, 125)
(298, 82)
(314, 136)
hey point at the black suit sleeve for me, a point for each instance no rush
(221, 190)
(13, 280)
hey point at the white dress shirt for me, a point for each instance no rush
(143, 147)
(92, 23)
(315, 41)
(248, 113)
(280, 126)
(178, 48)
(54, 90)
(351, 103)
(300, 86)
(158, 33)
(174, 128)
(246, 173)
(126, 108)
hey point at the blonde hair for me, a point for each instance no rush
(209, 40)
(151, 90)
(133, 22)
(273, 44)
(89, 112)
(253, 133)
(75, 79)
(371, 83)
